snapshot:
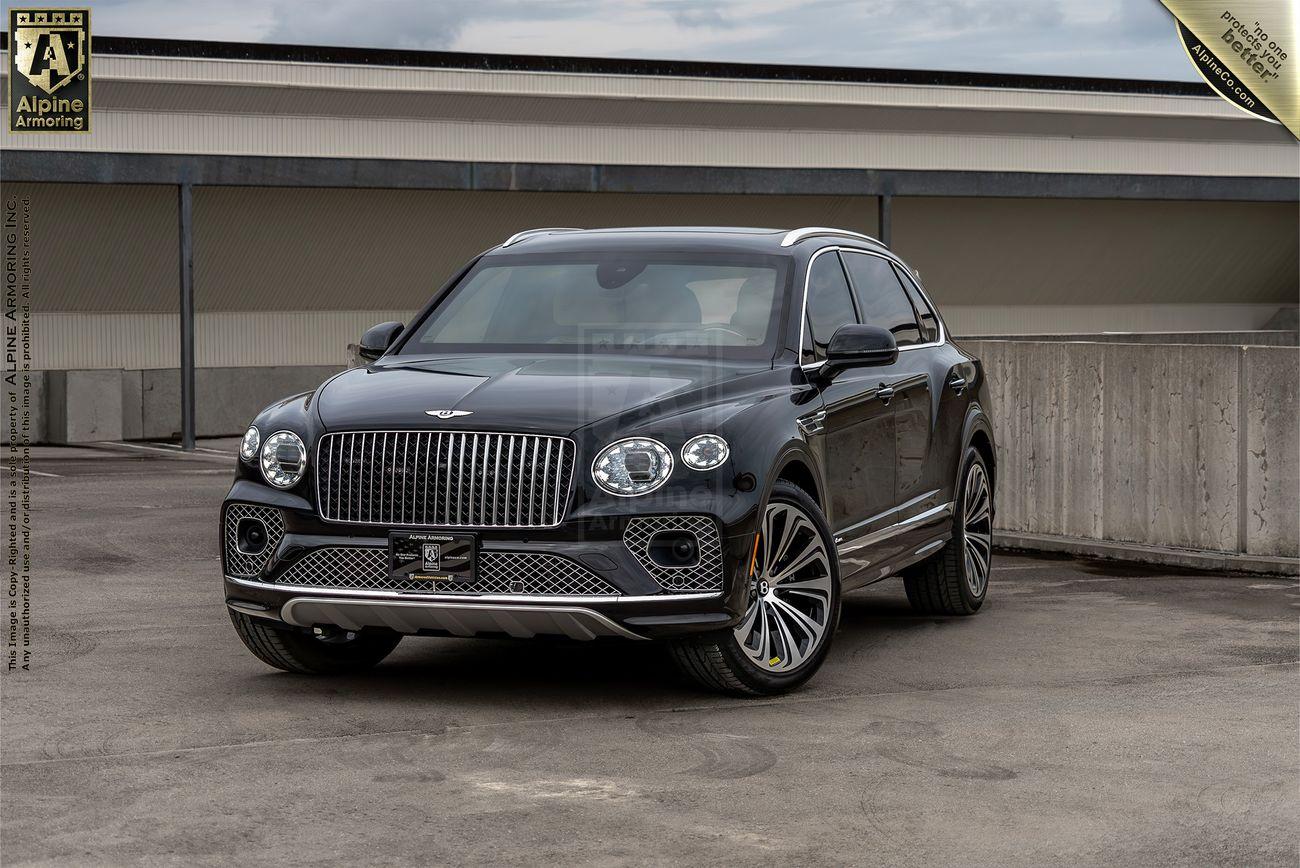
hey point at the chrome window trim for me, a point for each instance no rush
(462, 598)
(528, 233)
(889, 257)
(451, 528)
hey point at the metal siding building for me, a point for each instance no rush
(335, 188)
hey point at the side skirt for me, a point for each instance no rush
(895, 565)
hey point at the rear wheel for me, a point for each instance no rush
(956, 579)
(793, 606)
(322, 651)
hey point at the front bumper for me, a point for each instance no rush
(588, 578)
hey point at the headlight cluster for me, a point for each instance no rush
(249, 445)
(283, 457)
(705, 452)
(640, 465)
(637, 465)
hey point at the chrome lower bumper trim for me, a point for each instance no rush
(349, 593)
(458, 618)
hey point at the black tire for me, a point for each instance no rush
(947, 583)
(302, 652)
(717, 660)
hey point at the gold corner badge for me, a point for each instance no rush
(1245, 50)
(49, 70)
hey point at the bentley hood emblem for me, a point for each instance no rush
(448, 414)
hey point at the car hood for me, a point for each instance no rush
(554, 394)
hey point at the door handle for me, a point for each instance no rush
(884, 393)
(957, 384)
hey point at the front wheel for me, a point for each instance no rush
(955, 581)
(792, 612)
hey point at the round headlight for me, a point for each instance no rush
(248, 446)
(284, 459)
(637, 465)
(705, 452)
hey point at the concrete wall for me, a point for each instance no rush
(1179, 446)
(1264, 338)
(1184, 446)
(87, 406)
(33, 404)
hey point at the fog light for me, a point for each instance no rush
(675, 548)
(250, 536)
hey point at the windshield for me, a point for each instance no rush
(721, 306)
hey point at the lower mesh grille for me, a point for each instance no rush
(239, 563)
(526, 573)
(704, 575)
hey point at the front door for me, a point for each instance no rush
(859, 429)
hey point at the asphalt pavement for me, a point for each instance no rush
(1092, 714)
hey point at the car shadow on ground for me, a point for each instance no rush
(570, 672)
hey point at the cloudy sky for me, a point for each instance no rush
(1115, 38)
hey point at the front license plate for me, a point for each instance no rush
(427, 560)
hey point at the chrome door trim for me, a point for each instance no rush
(943, 510)
(878, 516)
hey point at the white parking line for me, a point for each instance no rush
(36, 472)
(166, 448)
(175, 447)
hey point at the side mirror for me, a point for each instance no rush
(377, 339)
(859, 346)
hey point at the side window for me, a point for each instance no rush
(881, 297)
(830, 305)
(929, 321)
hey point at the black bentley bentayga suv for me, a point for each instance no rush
(697, 435)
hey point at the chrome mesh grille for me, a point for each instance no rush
(443, 478)
(526, 573)
(704, 575)
(238, 563)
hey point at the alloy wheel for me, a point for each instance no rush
(790, 592)
(977, 528)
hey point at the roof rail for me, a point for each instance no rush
(520, 236)
(794, 236)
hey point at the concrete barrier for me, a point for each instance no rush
(1259, 338)
(1181, 447)
(1158, 447)
(226, 399)
(83, 406)
(33, 404)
